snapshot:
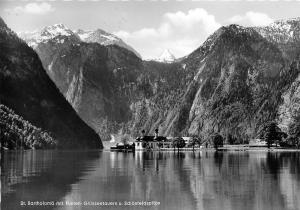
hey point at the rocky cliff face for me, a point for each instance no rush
(26, 88)
(285, 34)
(241, 78)
(96, 80)
(232, 84)
(289, 110)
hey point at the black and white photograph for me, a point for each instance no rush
(150, 104)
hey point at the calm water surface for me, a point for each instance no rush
(201, 180)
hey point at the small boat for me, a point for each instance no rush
(122, 147)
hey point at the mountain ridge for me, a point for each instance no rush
(60, 30)
(232, 84)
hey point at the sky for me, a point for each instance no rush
(149, 26)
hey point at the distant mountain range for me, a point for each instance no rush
(59, 30)
(239, 79)
(26, 88)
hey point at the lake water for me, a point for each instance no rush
(207, 180)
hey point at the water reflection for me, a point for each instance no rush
(184, 180)
(40, 175)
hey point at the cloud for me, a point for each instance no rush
(180, 32)
(251, 19)
(193, 18)
(31, 8)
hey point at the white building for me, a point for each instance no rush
(152, 142)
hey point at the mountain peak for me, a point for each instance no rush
(56, 30)
(235, 29)
(100, 36)
(166, 57)
(59, 25)
(104, 38)
(230, 35)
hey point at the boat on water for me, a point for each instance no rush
(122, 147)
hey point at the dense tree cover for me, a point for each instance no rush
(231, 139)
(271, 133)
(15, 132)
(178, 142)
(217, 140)
(196, 140)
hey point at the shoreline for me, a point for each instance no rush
(225, 148)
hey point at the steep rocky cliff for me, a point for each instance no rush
(231, 84)
(26, 88)
(286, 35)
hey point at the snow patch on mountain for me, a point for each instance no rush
(83, 34)
(98, 36)
(281, 31)
(104, 38)
(58, 31)
(166, 57)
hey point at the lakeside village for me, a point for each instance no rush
(156, 142)
(269, 137)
